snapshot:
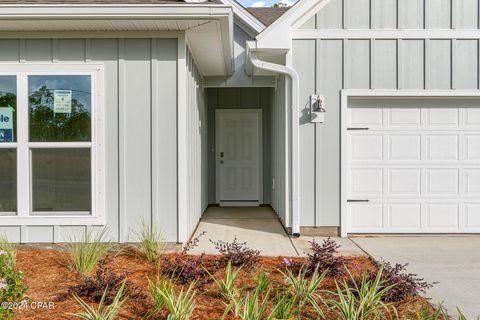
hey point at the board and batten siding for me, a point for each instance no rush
(329, 64)
(140, 130)
(197, 152)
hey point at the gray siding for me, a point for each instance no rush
(140, 120)
(197, 185)
(240, 98)
(327, 66)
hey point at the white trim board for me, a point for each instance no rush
(385, 94)
(217, 147)
(383, 34)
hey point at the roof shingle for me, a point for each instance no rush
(268, 15)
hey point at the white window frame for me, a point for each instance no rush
(24, 214)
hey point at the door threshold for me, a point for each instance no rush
(239, 204)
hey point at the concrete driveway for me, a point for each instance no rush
(453, 261)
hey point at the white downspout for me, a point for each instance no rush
(293, 75)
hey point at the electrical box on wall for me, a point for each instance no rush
(317, 108)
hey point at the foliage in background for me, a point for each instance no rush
(184, 268)
(403, 284)
(87, 249)
(104, 284)
(151, 242)
(12, 287)
(104, 311)
(237, 252)
(361, 301)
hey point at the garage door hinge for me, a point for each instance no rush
(363, 200)
(357, 129)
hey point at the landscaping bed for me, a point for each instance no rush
(260, 282)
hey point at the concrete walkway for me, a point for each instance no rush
(453, 261)
(260, 228)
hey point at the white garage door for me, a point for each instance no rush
(413, 166)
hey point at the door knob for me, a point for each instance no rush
(222, 154)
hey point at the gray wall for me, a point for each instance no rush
(140, 121)
(240, 98)
(328, 65)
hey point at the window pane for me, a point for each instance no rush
(60, 108)
(8, 180)
(61, 180)
(8, 106)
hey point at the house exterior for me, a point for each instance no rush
(345, 116)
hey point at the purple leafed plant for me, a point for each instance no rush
(404, 284)
(238, 253)
(184, 268)
(324, 256)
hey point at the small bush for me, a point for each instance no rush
(9, 252)
(226, 286)
(151, 242)
(403, 284)
(237, 252)
(105, 311)
(104, 285)
(184, 269)
(325, 257)
(87, 250)
(12, 288)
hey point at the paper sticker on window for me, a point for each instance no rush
(62, 101)
(6, 124)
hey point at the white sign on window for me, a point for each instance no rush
(62, 101)
(6, 124)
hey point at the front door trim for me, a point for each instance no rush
(218, 112)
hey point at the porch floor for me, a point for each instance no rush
(259, 227)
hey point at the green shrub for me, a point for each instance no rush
(180, 305)
(12, 288)
(151, 242)
(103, 311)
(87, 249)
(226, 286)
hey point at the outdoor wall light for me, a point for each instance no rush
(317, 108)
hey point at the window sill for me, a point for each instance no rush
(39, 220)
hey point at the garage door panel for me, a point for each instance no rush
(442, 147)
(442, 181)
(404, 181)
(472, 117)
(472, 181)
(416, 168)
(405, 215)
(366, 215)
(366, 181)
(366, 147)
(442, 215)
(472, 211)
(404, 117)
(442, 117)
(472, 147)
(367, 116)
(404, 147)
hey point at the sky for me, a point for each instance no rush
(264, 3)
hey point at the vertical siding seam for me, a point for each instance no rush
(478, 63)
(316, 215)
(343, 15)
(22, 50)
(153, 133)
(452, 62)
(397, 69)
(88, 50)
(121, 140)
(371, 68)
(55, 50)
(426, 64)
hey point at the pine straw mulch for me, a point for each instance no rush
(48, 279)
